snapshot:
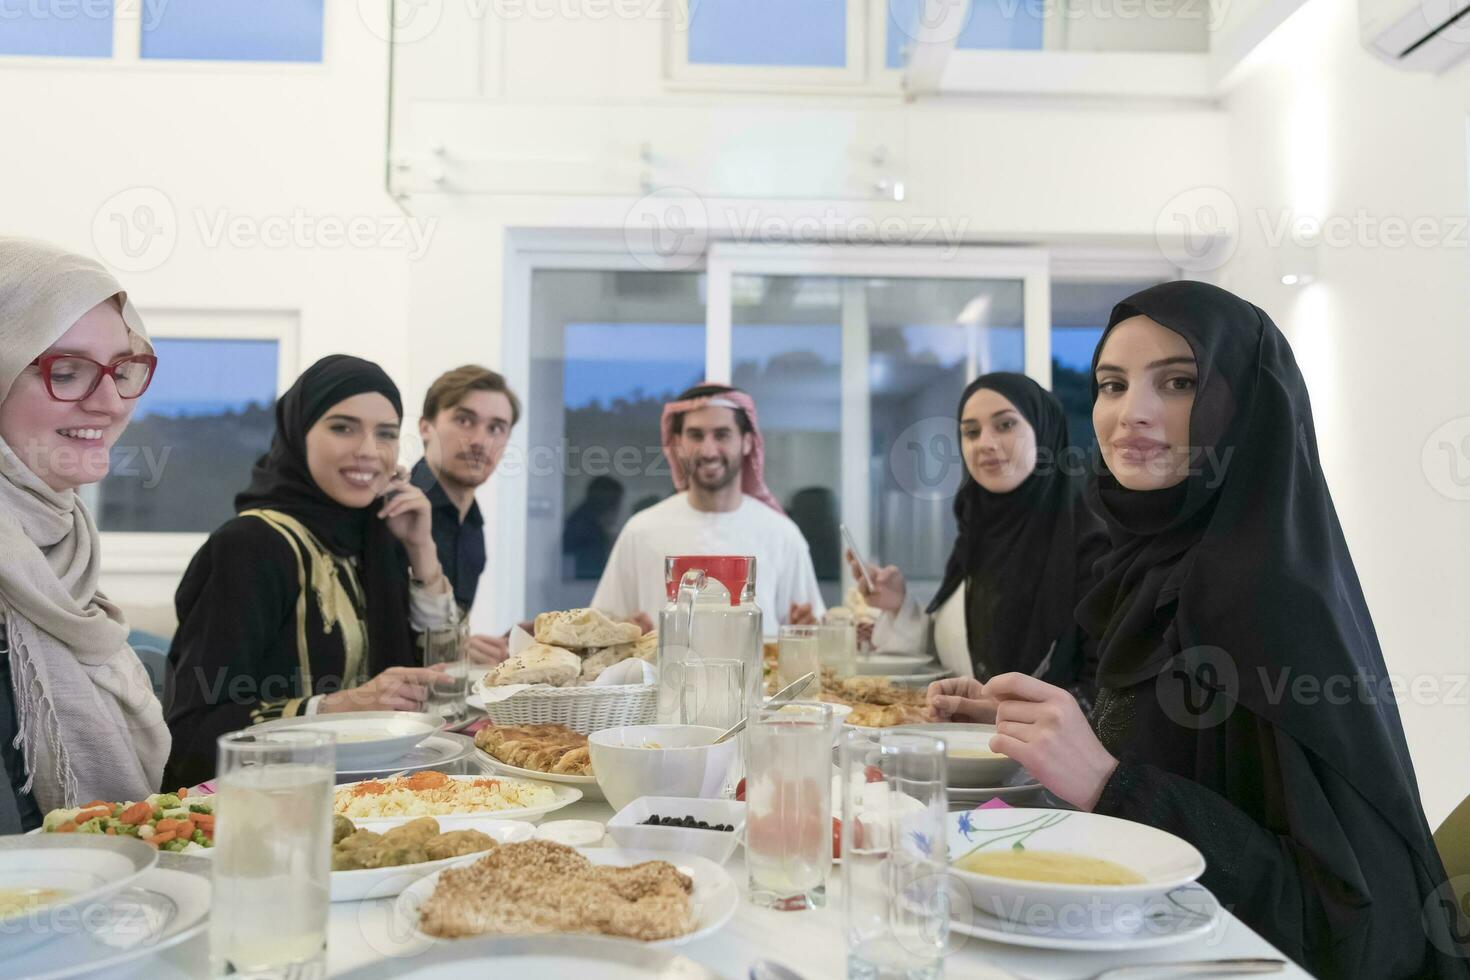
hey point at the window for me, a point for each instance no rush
(227, 30)
(1079, 313)
(205, 419)
(82, 29)
(802, 33)
(1008, 25)
(608, 349)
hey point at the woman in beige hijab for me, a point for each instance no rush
(78, 718)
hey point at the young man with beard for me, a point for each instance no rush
(468, 415)
(715, 451)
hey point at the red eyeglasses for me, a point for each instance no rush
(72, 378)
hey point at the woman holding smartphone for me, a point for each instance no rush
(1022, 560)
(318, 594)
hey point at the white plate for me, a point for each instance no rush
(1186, 913)
(587, 784)
(87, 867)
(565, 796)
(161, 908)
(715, 897)
(1161, 861)
(352, 886)
(891, 663)
(438, 750)
(920, 679)
(538, 958)
(365, 739)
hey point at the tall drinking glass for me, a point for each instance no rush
(797, 654)
(837, 648)
(788, 805)
(712, 692)
(447, 697)
(895, 888)
(272, 854)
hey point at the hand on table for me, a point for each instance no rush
(959, 699)
(395, 689)
(489, 650)
(1042, 727)
(889, 587)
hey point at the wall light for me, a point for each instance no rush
(1295, 261)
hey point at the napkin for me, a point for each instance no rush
(994, 804)
(631, 671)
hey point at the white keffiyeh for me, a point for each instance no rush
(90, 726)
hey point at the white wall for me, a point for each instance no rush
(1319, 127)
(254, 144)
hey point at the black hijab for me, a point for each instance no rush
(1252, 564)
(281, 480)
(1020, 551)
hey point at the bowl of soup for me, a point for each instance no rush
(1063, 867)
(968, 760)
(51, 882)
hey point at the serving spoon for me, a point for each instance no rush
(788, 693)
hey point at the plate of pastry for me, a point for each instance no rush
(554, 753)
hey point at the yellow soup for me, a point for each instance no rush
(1053, 866)
(19, 901)
(974, 754)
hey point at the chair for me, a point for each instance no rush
(152, 650)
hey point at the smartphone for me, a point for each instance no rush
(857, 553)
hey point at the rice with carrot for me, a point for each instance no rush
(433, 794)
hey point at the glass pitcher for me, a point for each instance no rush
(711, 615)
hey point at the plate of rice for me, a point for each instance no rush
(448, 798)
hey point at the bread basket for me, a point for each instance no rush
(583, 709)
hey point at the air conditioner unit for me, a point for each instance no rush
(1421, 35)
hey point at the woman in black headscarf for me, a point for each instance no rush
(1027, 543)
(1243, 702)
(315, 596)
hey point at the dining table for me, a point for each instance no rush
(808, 942)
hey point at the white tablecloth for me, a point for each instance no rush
(809, 942)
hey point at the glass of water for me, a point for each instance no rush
(788, 804)
(797, 654)
(712, 692)
(447, 697)
(272, 854)
(896, 893)
(837, 648)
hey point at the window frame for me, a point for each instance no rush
(168, 552)
(127, 49)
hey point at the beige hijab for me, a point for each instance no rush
(90, 726)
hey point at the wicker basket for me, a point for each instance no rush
(583, 709)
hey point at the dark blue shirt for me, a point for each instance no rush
(461, 545)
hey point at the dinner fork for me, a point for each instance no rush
(1185, 968)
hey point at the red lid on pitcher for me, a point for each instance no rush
(731, 571)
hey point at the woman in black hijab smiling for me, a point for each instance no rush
(1027, 543)
(1243, 700)
(315, 596)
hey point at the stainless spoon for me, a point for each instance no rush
(790, 692)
